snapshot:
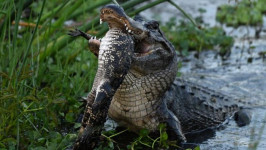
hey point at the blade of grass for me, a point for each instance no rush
(30, 43)
(58, 23)
(53, 12)
(114, 1)
(15, 33)
(184, 13)
(131, 4)
(97, 4)
(12, 15)
(17, 18)
(146, 7)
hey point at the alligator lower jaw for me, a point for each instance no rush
(144, 48)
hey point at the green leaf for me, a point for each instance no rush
(197, 148)
(144, 132)
(70, 117)
(77, 125)
(164, 136)
(111, 145)
(162, 126)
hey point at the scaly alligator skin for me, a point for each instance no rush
(114, 60)
(151, 94)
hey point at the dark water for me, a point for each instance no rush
(240, 78)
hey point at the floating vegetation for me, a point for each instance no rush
(245, 12)
(187, 37)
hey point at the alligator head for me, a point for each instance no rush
(150, 41)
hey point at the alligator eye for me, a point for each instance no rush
(138, 32)
(156, 25)
(153, 25)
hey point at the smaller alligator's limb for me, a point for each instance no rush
(94, 44)
(89, 137)
(93, 121)
(104, 92)
(88, 109)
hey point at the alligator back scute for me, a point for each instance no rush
(198, 107)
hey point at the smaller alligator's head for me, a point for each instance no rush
(115, 16)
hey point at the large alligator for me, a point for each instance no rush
(151, 94)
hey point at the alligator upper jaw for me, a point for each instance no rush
(115, 16)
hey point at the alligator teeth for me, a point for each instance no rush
(126, 28)
(125, 24)
(101, 21)
(129, 31)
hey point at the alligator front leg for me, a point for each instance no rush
(174, 129)
(94, 43)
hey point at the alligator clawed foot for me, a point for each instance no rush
(84, 101)
(77, 32)
(89, 138)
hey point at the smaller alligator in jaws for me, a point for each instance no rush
(151, 94)
(115, 51)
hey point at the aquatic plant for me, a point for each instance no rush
(187, 37)
(243, 13)
(114, 139)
